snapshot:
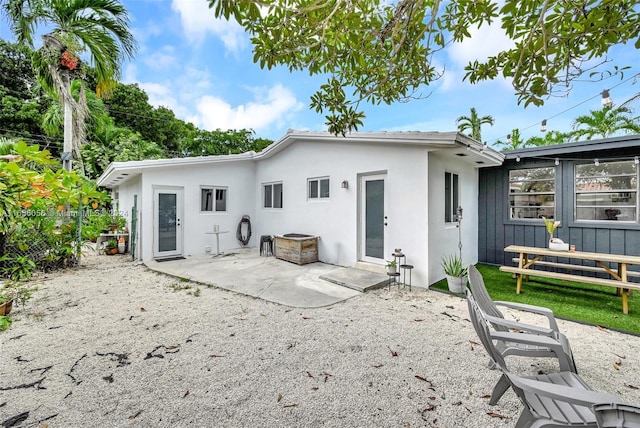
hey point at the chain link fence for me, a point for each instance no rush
(40, 242)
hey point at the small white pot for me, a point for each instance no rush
(457, 284)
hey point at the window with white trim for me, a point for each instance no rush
(318, 188)
(272, 195)
(606, 191)
(451, 197)
(532, 193)
(213, 199)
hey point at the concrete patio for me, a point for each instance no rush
(244, 271)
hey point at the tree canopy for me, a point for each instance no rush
(383, 51)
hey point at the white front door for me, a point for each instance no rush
(167, 221)
(373, 221)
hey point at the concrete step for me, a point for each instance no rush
(356, 279)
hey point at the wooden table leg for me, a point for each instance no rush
(521, 262)
(622, 271)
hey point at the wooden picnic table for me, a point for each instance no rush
(531, 256)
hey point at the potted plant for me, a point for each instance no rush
(554, 243)
(6, 301)
(118, 222)
(112, 247)
(391, 266)
(456, 273)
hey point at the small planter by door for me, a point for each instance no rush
(457, 284)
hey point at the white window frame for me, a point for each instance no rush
(315, 184)
(534, 210)
(451, 196)
(269, 191)
(214, 193)
(602, 184)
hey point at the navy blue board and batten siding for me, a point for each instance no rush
(496, 230)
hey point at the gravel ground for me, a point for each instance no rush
(114, 344)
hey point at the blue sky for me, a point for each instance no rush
(202, 69)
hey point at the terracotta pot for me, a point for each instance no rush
(111, 251)
(5, 307)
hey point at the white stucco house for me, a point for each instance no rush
(364, 195)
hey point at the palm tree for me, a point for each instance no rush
(604, 123)
(473, 123)
(550, 138)
(97, 27)
(514, 141)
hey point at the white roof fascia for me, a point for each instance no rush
(135, 167)
(434, 140)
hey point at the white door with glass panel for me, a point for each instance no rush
(167, 221)
(373, 221)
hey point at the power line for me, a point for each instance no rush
(572, 107)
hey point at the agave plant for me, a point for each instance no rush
(454, 266)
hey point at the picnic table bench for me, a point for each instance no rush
(530, 256)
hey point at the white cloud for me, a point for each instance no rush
(271, 106)
(129, 74)
(162, 95)
(198, 20)
(145, 31)
(163, 58)
(483, 43)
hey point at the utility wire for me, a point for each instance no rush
(572, 107)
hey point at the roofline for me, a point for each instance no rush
(624, 141)
(159, 163)
(437, 140)
(411, 138)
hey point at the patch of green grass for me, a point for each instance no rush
(5, 322)
(180, 287)
(586, 303)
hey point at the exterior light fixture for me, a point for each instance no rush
(344, 184)
(517, 158)
(636, 161)
(557, 161)
(596, 162)
(543, 125)
(508, 138)
(484, 146)
(606, 99)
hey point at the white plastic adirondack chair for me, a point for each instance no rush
(529, 348)
(550, 400)
(617, 415)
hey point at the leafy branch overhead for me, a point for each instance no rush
(384, 52)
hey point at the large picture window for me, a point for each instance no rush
(532, 193)
(606, 191)
(451, 196)
(213, 199)
(272, 193)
